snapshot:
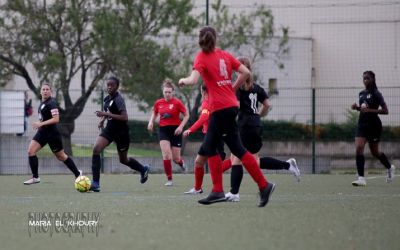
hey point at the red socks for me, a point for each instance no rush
(198, 176)
(168, 169)
(180, 162)
(214, 163)
(252, 167)
(226, 164)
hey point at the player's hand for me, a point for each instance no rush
(181, 82)
(100, 113)
(101, 125)
(186, 133)
(150, 127)
(364, 108)
(36, 125)
(354, 106)
(178, 131)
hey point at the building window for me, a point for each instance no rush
(273, 87)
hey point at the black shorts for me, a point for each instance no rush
(121, 138)
(371, 132)
(251, 138)
(51, 137)
(222, 126)
(167, 133)
(220, 150)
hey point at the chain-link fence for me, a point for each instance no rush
(316, 126)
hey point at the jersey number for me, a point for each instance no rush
(253, 100)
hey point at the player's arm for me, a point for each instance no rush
(381, 111)
(150, 126)
(354, 106)
(120, 117)
(190, 80)
(54, 120)
(199, 123)
(101, 123)
(264, 108)
(179, 129)
(244, 73)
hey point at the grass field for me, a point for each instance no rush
(321, 212)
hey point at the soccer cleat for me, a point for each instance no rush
(390, 174)
(232, 197)
(360, 182)
(293, 168)
(33, 180)
(80, 173)
(194, 191)
(169, 183)
(265, 194)
(145, 174)
(213, 197)
(183, 168)
(95, 187)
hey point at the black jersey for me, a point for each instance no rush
(46, 111)
(115, 105)
(249, 103)
(373, 98)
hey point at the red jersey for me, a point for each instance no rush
(169, 111)
(203, 118)
(216, 70)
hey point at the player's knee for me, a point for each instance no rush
(376, 153)
(359, 150)
(123, 160)
(200, 162)
(62, 157)
(31, 152)
(96, 150)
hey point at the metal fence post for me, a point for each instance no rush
(313, 130)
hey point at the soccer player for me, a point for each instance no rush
(201, 157)
(369, 127)
(116, 130)
(250, 95)
(170, 128)
(47, 133)
(215, 66)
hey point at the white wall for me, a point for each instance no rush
(12, 110)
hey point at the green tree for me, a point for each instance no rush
(130, 36)
(52, 42)
(249, 32)
(62, 42)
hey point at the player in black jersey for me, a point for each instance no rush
(117, 130)
(47, 133)
(250, 95)
(369, 127)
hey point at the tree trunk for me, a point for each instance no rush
(66, 129)
(193, 116)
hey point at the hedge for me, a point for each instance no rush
(278, 130)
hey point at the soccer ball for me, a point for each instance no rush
(82, 184)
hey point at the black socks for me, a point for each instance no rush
(236, 178)
(34, 164)
(71, 166)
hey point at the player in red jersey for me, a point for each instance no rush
(201, 157)
(215, 66)
(171, 126)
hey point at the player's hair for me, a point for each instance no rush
(246, 62)
(167, 83)
(372, 75)
(48, 84)
(114, 79)
(207, 39)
